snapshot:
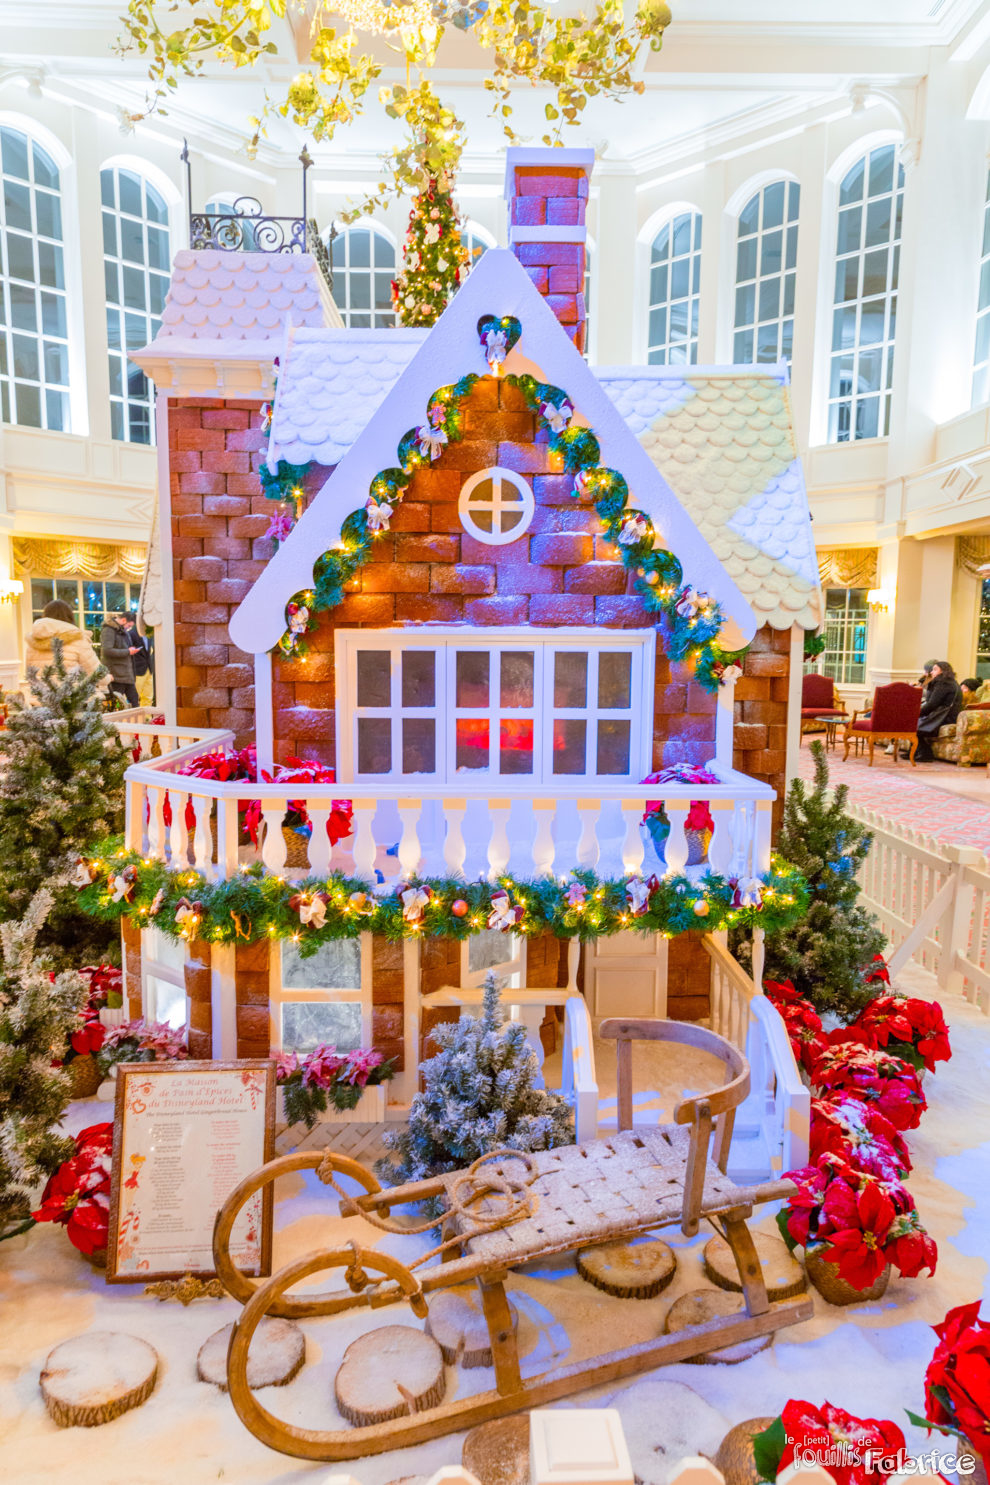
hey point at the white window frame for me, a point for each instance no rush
(342, 271)
(641, 643)
(526, 505)
(154, 968)
(980, 392)
(787, 273)
(280, 994)
(476, 240)
(511, 969)
(682, 350)
(115, 265)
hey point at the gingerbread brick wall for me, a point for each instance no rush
(760, 734)
(387, 994)
(199, 989)
(427, 568)
(554, 196)
(218, 550)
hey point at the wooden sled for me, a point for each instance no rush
(509, 1210)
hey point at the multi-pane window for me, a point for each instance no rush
(136, 270)
(163, 979)
(675, 286)
(868, 250)
(34, 338)
(324, 998)
(983, 633)
(846, 629)
(766, 264)
(981, 358)
(363, 270)
(89, 598)
(534, 707)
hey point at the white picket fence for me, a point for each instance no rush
(933, 902)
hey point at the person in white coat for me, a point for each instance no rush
(57, 622)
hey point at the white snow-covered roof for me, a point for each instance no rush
(225, 296)
(337, 382)
(723, 437)
(497, 285)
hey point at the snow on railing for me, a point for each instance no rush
(933, 901)
(478, 828)
(579, 1082)
(778, 1107)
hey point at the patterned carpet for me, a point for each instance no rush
(949, 803)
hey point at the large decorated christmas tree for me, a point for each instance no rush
(434, 260)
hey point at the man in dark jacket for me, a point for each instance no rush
(117, 653)
(941, 705)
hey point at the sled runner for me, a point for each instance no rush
(507, 1210)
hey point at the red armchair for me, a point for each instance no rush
(818, 699)
(893, 718)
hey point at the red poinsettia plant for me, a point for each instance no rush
(912, 1029)
(78, 1194)
(802, 1021)
(105, 983)
(957, 1382)
(302, 771)
(856, 1221)
(854, 1451)
(878, 1078)
(842, 1124)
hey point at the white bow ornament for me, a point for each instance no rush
(379, 514)
(414, 901)
(557, 418)
(432, 441)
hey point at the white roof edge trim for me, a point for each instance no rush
(497, 285)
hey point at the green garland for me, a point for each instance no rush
(690, 622)
(254, 905)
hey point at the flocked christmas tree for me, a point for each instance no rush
(61, 788)
(480, 1094)
(434, 260)
(826, 953)
(37, 1013)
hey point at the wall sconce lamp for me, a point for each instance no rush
(879, 600)
(10, 590)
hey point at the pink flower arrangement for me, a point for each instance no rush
(326, 1078)
(141, 1041)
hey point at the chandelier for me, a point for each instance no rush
(381, 16)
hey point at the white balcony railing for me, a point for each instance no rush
(471, 829)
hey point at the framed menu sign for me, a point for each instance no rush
(185, 1134)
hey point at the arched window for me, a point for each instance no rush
(136, 264)
(363, 270)
(766, 259)
(675, 280)
(476, 240)
(871, 199)
(34, 348)
(981, 358)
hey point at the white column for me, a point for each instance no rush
(264, 715)
(794, 704)
(224, 1001)
(165, 688)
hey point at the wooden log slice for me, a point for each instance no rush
(699, 1305)
(735, 1452)
(497, 1453)
(278, 1350)
(782, 1274)
(629, 1270)
(457, 1324)
(95, 1377)
(389, 1373)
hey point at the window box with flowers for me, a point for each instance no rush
(326, 1087)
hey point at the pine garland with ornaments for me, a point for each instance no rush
(434, 260)
(254, 905)
(690, 621)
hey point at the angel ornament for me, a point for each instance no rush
(299, 620)
(638, 894)
(84, 875)
(635, 528)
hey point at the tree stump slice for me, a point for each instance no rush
(782, 1274)
(457, 1324)
(278, 1350)
(735, 1452)
(629, 1270)
(699, 1305)
(95, 1377)
(498, 1452)
(389, 1373)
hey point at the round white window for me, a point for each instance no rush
(496, 506)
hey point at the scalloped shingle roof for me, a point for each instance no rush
(242, 296)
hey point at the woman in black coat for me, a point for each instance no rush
(941, 705)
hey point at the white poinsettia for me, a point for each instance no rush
(557, 418)
(379, 514)
(635, 528)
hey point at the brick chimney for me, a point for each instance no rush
(547, 194)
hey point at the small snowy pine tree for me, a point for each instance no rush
(479, 1096)
(37, 1013)
(61, 788)
(826, 954)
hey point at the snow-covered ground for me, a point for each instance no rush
(869, 1359)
